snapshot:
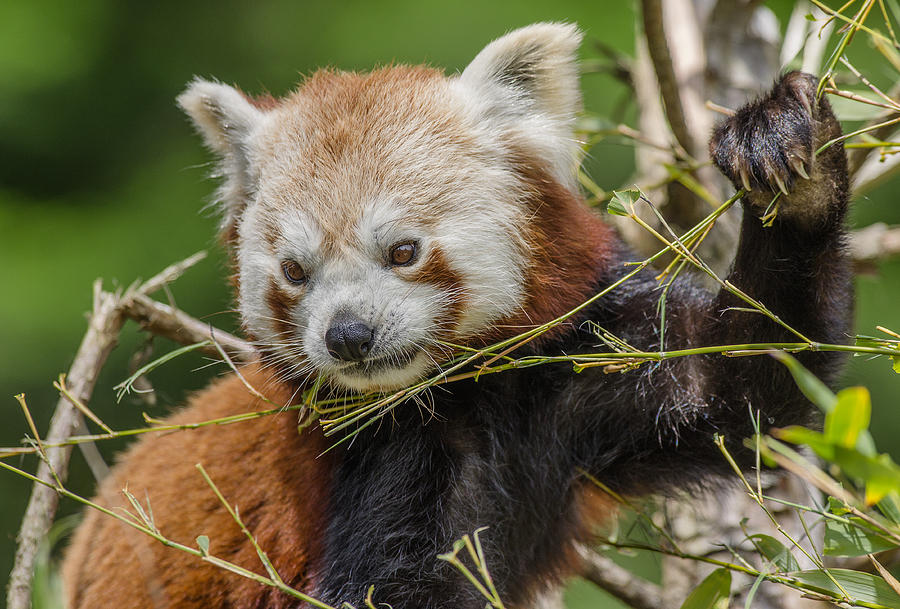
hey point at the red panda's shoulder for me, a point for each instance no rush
(264, 467)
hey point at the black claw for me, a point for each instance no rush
(768, 143)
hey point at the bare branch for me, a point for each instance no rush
(632, 590)
(106, 321)
(874, 243)
(102, 335)
(809, 37)
(90, 452)
(163, 320)
(655, 35)
(167, 275)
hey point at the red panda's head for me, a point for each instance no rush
(375, 217)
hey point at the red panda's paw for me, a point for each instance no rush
(769, 147)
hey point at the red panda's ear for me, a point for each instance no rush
(227, 120)
(526, 83)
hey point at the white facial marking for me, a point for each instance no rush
(421, 159)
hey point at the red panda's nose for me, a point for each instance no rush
(348, 339)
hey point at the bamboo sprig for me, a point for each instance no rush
(622, 500)
(792, 461)
(855, 24)
(127, 385)
(233, 512)
(36, 438)
(859, 131)
(580, 362)
(760, 501)
(484, 584)
(683, 252)
(60, 385)
(786, 580)
(888, 102)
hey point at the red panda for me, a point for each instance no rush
(376, 217)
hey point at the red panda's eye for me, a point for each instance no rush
(403, 254)
(293, 272)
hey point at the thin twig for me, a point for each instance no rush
(857, 156)
(176, 325)
(167, 275)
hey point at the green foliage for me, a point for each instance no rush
(856, 586)
(845, 441)
(775, 552)
(859, 515)
(863, 476)
(712, 593)
(853, 537)
(622, 202)
(203, 544)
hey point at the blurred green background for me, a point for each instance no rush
(101, 175)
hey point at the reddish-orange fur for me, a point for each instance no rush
(437, 271)
(568, 243)
(264, 467)
(280, 303)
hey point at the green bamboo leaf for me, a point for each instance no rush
(203, 544)
(622, 202)
(775, 552)
(837, 506)
(849, 418)
(888, 51)
(860, 586)
(748, 604)
(853, 538)
(712, 593)
(879, 473)
(864, 340)
(896, 365)
(814, 389)
(807, 437)
(890, 507)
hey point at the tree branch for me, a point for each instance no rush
(632, 590)
(873, 244)
(166, 321)
(102, 335)
(106, 321)
(655, 35)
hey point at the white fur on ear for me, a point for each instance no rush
(526, 84)
(227, 120)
